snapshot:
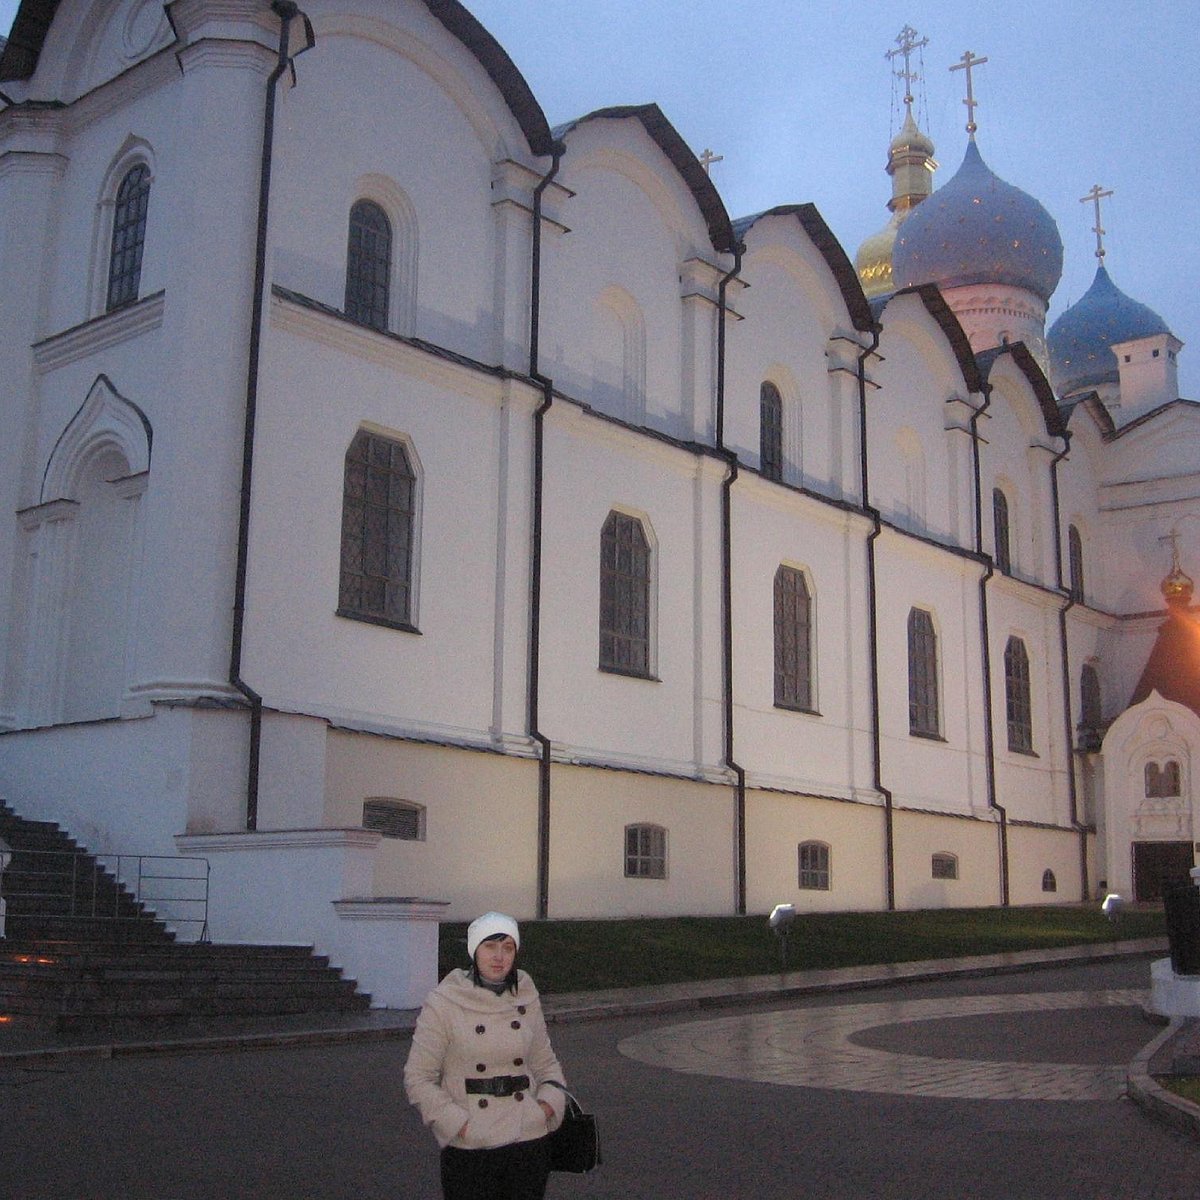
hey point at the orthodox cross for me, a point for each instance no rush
(906, 43)
(708, 158)
(968, 61)
(1095, 196)
(1173, 538)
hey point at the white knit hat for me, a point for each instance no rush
(490, 924)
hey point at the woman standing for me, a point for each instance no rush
(479, 1072)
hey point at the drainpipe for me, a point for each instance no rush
(889, 828)
(986, 652)
(287, 11)
(731, 459)
(535, 564)
(1072, 788)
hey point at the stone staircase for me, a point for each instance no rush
(81, 950)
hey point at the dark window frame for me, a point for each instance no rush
(645, 851)
(1075, 560)
(379, 525)
(1091, 708)
(401, 820)
(792, 602)
(924, 715)
(770, 432)
(624, 625)
(944, 865)
(813, 865)
(1001, 531)
(1018, 697)
(128, 242)
(369, 265)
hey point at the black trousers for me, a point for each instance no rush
(515, 1172)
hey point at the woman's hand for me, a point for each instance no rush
(547, 1110)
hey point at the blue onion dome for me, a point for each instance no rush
(979, 229)
(1080, 341)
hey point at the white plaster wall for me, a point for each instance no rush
(976, 845)
(1031, 852)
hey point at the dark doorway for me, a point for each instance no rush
(1155, 861)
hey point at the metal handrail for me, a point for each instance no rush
(173, 889)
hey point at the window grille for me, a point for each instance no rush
(770, 432)
(923, 716)
(645, 852)
(793, 640)
(368, 265)
(1049, 882)
(128, 238)
(624, 596)
(814, 866)
(1091, 716)
(1162, 782)
(1017, 697)
(395, 819)
(945, 866)
(378, 511)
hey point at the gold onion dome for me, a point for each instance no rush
(1177, 587)
(911, 166)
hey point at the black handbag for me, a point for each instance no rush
(575, 1144)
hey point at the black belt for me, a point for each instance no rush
(497, 1085)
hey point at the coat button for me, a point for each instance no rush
(516, 1024)
(483, 1104)
(481, 1067)
(521, 1009)
(480, 1029)
(518, 1062)
(518, 1095)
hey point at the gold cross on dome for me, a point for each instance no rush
(708, 158)
(967, 62)
(1095, 196)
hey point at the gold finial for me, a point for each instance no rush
(906, 43)
(1177, 588)
(1095, 196)
(967, 62)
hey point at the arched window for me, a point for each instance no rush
(770, 432)
(645, 852)
(793, 640)
(1018, 703)
(378, 527)
(1091, 715)
(944, 865)
(814, 866)
(624, 596)
(368, 265)
(1049, 882)
(923, 719)
(1075, 554)
(1000, 531)
(128, 237)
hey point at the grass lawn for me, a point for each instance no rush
(568, 956)
(1184, 1086)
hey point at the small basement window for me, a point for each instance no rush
(394, 818)
(1049, 883)
(945, 866)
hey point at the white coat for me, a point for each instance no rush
(466, 1032)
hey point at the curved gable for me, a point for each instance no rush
(1028, 366)
(679, 154)
(831, 251)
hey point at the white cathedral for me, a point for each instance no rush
(409, 508)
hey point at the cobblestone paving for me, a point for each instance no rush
(817, 1048)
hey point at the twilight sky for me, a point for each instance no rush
(799, 99)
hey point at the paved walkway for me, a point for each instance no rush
(825, 1047)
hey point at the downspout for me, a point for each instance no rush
(889, 829)
(1072, 789)
(287, 11)
(731, 459)
(989, 731)
(535, 564)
